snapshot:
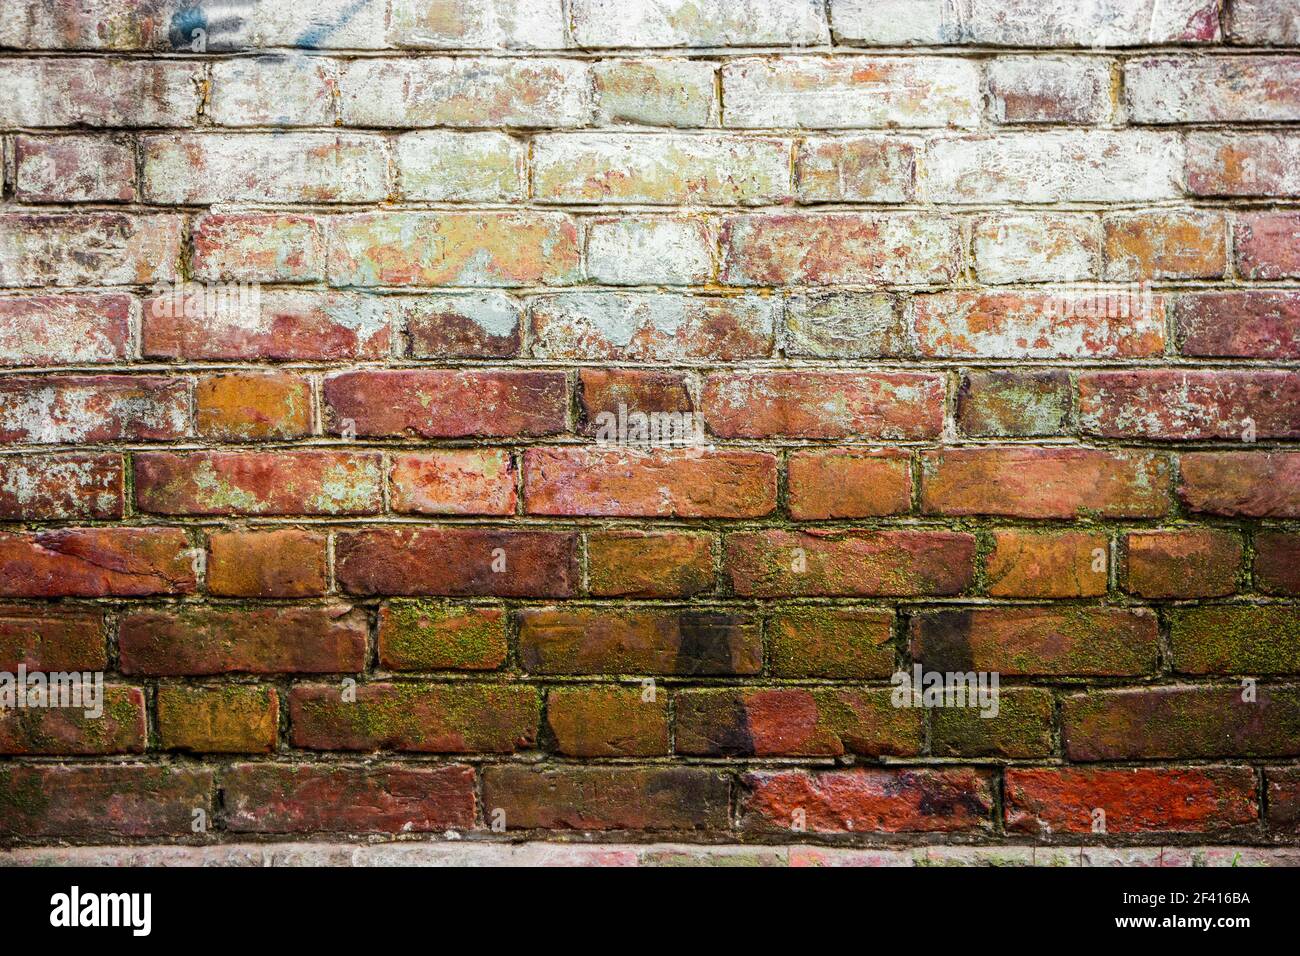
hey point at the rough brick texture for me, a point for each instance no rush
(535, 417)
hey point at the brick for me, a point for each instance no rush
(868, 800)
(1100, 322)
(1261, 22)
(850, 92)
(445, 91)
(1048, 167)
(76, 731)
(45, 638)
(1037, 641)
(1045, 482)
(427, 636)
(793, 722)
(258, 483)
(639, 641)
(688, 483)
(608, 400)
(1243, 164)
(281, 563)
(457, 562)
(1283, 797)
(461, 167)
(1034, 248)
(446, 403)
(484, 325)
(1046, 89)
(238, 719)
(96, 562)
(77, 329)
(252, 406)
(650, 565)
(274, 325)
(1168, 405)
(1235, 639)
(628, 250)
(1177, 722)
(1239, 324)
(834, 643)
(866, 168)
(192, 641)
(273, 91)
(707, 23)
(259, 247)
(1010, 403)
(815, 404)
(659, 168)
(1277, 562)
(1134, 800)
(101, 93)
(476, 24)
(651, 327)
(60, 487)
(1252, 484)
(204, 168)
(1021, 730)
(839, 249)
(1236, 89)
(1027, 564)
(654, 92)
(74, 169)
(453, 481)
(850, 563)
(608, 721)
(1182, 564)
(302, 798)
(100, 802)
(420, 718)
(849, 483)
(607, 798)
(93, 248)
(835, 324)
(491, 248)
(90, 409)
(1267, 245)
(1165, 245)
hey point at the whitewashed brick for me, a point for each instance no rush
(675, 250)
(700, 23)
(465, 167)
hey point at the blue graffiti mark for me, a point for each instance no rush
(312, 38)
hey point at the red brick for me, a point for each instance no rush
(1252, 484)
(106, 801)
(1168, 405)
(849, 563)
(639, 641)
(1268, 245)
(608, 721)
(259, 247)
(870, 800)
(300, 798)
(643, 564)
(447, 403)
(1044, 482)
(75, 329)
(251, 640)
(428, 636)
(1147, 800)
(421, 718)
(44, 638)
(259, 483)
(1165, 245)
(230, 719)
(1065, 564)
(1034, 641)
(60, 487)
(74, 169)
(688, 483)
(252, 406)
(277, 563)
(458, 562)
(461, 481)
(848, 644)
(1277, 562)
(68, 731)
(89, 409)
(96, 562)
(607, 798)
(1239, 324)
(1182, 564)
(849, 483)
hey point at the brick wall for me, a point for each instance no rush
(988, 310)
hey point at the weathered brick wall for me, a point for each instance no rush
(989, 308)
